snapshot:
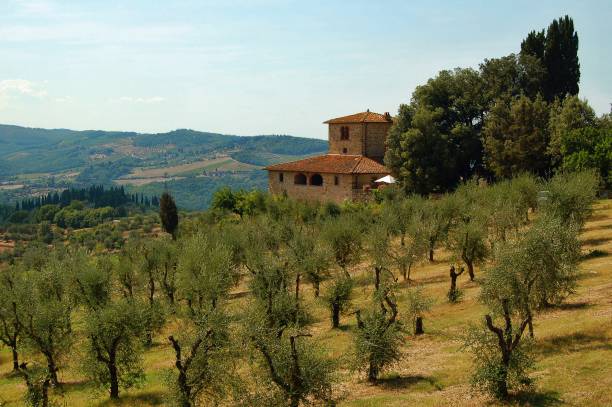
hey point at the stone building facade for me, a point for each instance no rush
(347, 172)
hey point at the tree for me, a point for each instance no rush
(561, 59)
(10, 327)
(512, 76)
(467, 241)
(377, 341)
(558, 52)
(37, 381)
(168, 214)
(344, 237)
(44, 311)
(437, 218)
(378, 335)
(588, 148)
(435, 141)
(299, 371)
(570, 196)
(538, 268)
(566, 116)
(338, 297)
(205, 271)
(418, 305)
(453, 293)
(202, 356)
(516, 137)
(114, 351)
(402, 218)
(501, 359)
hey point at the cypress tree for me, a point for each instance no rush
(168, 214)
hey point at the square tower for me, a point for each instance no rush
(362, 133)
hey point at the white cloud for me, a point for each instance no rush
(11, 88)
(144, 100)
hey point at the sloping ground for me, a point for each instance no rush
(574, 345)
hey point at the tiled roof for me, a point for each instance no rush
(363, 117)
(333, 163)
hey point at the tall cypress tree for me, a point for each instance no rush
(558, 52)
(168, 214)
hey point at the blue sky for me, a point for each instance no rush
(259, 66)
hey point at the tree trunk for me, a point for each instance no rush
(52, 370)
(530, 325)
(418, 326)
(15, 359)
(431, 255)
(404, 271)
(184, 389)
(372, 373)
(335, 315)
(317, 288)
(502, 380)
(470, 270)
(114, 377)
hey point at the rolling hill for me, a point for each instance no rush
(188, 162)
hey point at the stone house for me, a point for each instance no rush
(347, 171)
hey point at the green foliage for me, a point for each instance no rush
(338, 297)
(203, 358)
(570, 196)
(114, 352)
(418, 304)
(205, 271)
(488, 371)
(168, 214)
(377, 343)
(516, 137)
(344, 237)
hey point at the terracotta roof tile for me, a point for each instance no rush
(363, 117)
(333, 163)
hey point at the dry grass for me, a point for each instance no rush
(574, 345)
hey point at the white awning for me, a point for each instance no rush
(387, 179)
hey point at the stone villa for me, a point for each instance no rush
(348, 171)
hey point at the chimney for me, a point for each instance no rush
(387, 116)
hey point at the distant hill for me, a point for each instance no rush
(42, 158)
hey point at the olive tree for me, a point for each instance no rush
(467, 242)
(418, 305)
(10, 327)
(203, 358)
(344, 237)
(44, 312)
(113, 352)
(338, 297)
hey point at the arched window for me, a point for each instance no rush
(316, 179)
(344, 133)
(299, 179)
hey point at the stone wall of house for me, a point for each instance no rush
(376, 137)
(353, 146)
(329, 191)
(349, 187)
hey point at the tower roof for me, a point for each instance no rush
(363, 117)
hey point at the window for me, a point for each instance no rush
(299, 179)
(344, 133)
(281, 177)
(336, 180)
(316, 179)
(344, 150)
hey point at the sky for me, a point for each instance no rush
(252, 67)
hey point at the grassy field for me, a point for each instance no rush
(573, 345)
(223, 163)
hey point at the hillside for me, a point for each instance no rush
(573, 352)
(33, 161)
